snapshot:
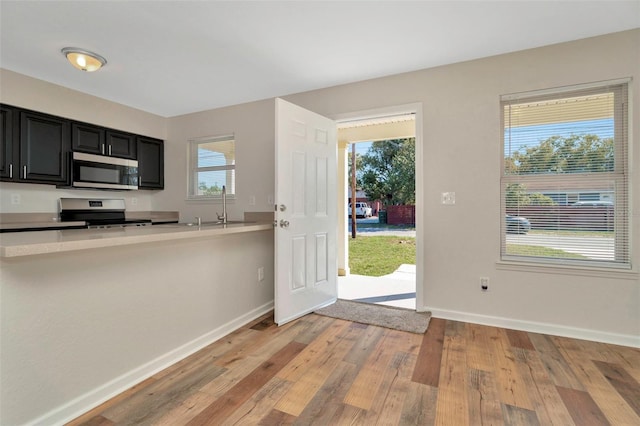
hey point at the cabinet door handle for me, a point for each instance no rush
(10, 171)
(102, 149)
(24, 171)
(109, 150)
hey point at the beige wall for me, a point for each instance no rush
(254, 129)
(26, 92)
(80, 327)
(462, 153)
(251, 123)
(461, 145)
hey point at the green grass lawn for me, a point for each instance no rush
(381, 226)
(573, 233)
(377, 256)
(524, 250)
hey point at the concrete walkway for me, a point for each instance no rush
(395, 289)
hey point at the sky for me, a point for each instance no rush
(362, 147)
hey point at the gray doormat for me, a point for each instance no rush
(384, 316)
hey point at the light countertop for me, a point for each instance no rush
(43, 242)
(40, 225)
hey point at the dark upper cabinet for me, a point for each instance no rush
(99, 140)
(121, 144)
(87, 138)
(150, 163)
(7, 161)
(44, 144)
(35, 148)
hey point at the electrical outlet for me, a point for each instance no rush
(448, 198)
(134, 201)
(252, 200)
(15, 199)
(484, 283)
(261, 273)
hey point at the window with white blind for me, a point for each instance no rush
(565, 182)
(212, 165)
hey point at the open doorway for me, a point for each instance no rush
(379, 264)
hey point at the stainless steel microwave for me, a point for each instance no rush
(101, 172)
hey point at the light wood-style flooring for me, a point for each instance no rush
(324, 371)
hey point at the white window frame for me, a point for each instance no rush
(193, 169)
(621, 175)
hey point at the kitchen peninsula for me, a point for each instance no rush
(43, 242)
(88, 313)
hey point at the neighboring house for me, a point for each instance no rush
(360, 195)
(567, 198)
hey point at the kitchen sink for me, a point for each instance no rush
(203, 224)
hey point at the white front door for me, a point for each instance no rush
(306, 212)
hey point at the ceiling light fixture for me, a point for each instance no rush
(83, 59)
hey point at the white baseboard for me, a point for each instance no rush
(538, 327)
(97, 396)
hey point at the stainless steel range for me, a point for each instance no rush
(97, 212)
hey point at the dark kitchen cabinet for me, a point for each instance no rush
(43, 147)
(6, 142)
(150, 163)
(121, 144)
(102, 141)
(87, 138)
(35, 148)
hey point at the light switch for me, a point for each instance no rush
(448, 198)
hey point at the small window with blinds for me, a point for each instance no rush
(212, 165)
(565, 183)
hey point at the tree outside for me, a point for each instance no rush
(517, 196)
(556, 155)
(204, 189)
(387, 171)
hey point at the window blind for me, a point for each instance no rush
(212, 166)
(564, 185)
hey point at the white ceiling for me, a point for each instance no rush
(178, 57)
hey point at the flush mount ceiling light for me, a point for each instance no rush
(83, 59)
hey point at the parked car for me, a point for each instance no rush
(517, 224)
(362, 210)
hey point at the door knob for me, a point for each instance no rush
(282, 207)
(284, 223)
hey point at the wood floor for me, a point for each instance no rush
(318, 370)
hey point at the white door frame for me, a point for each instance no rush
(343, 236)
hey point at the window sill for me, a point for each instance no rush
(521, 266)
(211, 200)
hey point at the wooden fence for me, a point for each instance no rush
(401, 215)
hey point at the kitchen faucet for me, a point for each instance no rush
(223, 218)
